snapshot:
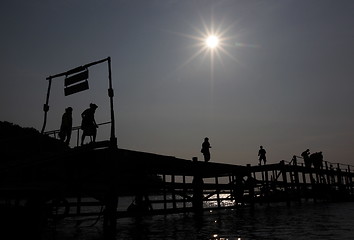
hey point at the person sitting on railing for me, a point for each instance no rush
(88, 124)
(66, 126)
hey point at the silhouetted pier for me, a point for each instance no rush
(75, 181)
(163, 184)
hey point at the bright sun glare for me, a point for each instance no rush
(212, 41)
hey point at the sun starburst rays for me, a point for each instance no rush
(211, 43)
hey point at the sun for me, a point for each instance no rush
(212, 41)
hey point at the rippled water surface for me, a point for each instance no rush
(305, 221)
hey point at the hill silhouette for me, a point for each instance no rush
(20, 147)
(22, 144)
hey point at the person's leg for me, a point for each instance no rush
(68, 137)
(61, 136)
(94, 135)
(83, 138)
(207, 157)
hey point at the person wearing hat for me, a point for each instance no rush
(205, 149)
(88, 124)
(66, 126)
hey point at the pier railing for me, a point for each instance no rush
(77, 129)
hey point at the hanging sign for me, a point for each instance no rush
(76, 83)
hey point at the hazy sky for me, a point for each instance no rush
(282, 76)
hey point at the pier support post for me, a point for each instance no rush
(266, 187)
(198, 183)
(328, 179)
(340, 183)
(350, 181)
(285, 182)
(198, 193)
(164, 192)
(250, 183)
(238, 189)
(297, 181)
(173, 182)
(217, 191)
(110, 216)
(110, 198)
(184, 192)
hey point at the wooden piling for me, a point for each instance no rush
(164, 192)
(197, 201)
(110, 215)
(285, 181)
(174, 204)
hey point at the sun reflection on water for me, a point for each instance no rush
(219, 237)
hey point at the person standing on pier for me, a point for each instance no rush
(262, 155)
(205, 149)
(66, 126)
(294, 160)
(88, 124)
(306, 156)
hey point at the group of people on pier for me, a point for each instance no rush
(314, 159)
(206, 152)
(88, 124)
(89, 127)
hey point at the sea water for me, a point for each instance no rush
(307, 220)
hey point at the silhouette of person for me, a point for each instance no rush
(306, 156)
(316, 159)
(294, 160)
(66, 126)
(205, 149)
(88, 124)
(262, 155)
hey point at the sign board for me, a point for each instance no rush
(76, 88)
(76, 78)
